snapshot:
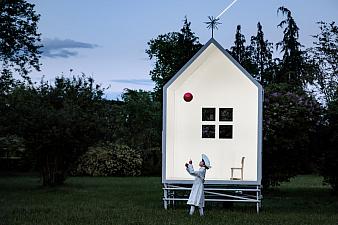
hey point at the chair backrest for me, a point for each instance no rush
(242, 162)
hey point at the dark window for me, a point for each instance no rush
(225, 114)
(208, 114)
(225, 131)
(208, 131)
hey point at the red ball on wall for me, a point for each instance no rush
(187, 97)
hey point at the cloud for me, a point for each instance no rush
(54, 48)
(113, 95)
(134, 81)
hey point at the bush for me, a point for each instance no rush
(329, 165)
(290, 123)
(109, 160)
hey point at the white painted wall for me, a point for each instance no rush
(216, 82)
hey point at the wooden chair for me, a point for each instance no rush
(239, 168)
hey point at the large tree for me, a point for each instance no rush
(325, 54)
(329, 152)
(57, 122)
(294, 69)
(243, 54)
(141, 128)
(19, 38)
(262, 57)
(170, 52)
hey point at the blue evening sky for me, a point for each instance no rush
(107, 39)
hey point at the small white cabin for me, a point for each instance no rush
(213, 106)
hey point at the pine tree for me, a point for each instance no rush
(294, 69)
(243, 54)
(262, 56)
(325, 54)
(238, 50)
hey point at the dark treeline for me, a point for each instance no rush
(67, 127)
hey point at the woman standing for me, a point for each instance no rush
(196, 197)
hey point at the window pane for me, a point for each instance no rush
(225, 114)
(208, 114)
(208, 131)
(225, 131)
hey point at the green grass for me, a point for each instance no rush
(137, 201)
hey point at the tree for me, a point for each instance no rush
(19, 39)
(290, 124)
(243, 54)
(142, 126)
(329, 155)
(142, 119)
(170, 52)
(58, 122)
(262, 57)
(293, 68)
(238, 50)
(325, 54)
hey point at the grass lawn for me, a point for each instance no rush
(101, 201)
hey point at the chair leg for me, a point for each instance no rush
(241, 174)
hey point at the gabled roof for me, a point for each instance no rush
(214, 42)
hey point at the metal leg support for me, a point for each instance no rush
(165, 193)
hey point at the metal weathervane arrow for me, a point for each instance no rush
(213, 21)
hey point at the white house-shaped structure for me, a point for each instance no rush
(223, 120)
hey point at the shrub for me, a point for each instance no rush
(290, 123)
(329, 165)
(109, 160)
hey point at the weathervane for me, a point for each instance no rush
(213, 23)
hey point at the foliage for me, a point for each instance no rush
(108, 159)
(289, 124)
(19, 38)
(242, 53)
(58, 122)
(142, 119)
(141, 127)
(325, 54)
(329, 165)
(170, 52)
(294, 69)
(262, 57)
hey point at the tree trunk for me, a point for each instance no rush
(51, 172)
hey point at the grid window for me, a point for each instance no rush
(225, 114)
(208, 114)
(225, 131)
(208, 131)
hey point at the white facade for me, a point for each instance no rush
(217, 82)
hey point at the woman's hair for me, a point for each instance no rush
(205, 165)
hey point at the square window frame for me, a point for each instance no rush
(208, 109)
(231, 136)
(213, 134)
(230, 111)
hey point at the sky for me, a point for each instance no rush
(107, 39)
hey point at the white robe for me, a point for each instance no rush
(196, 196)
